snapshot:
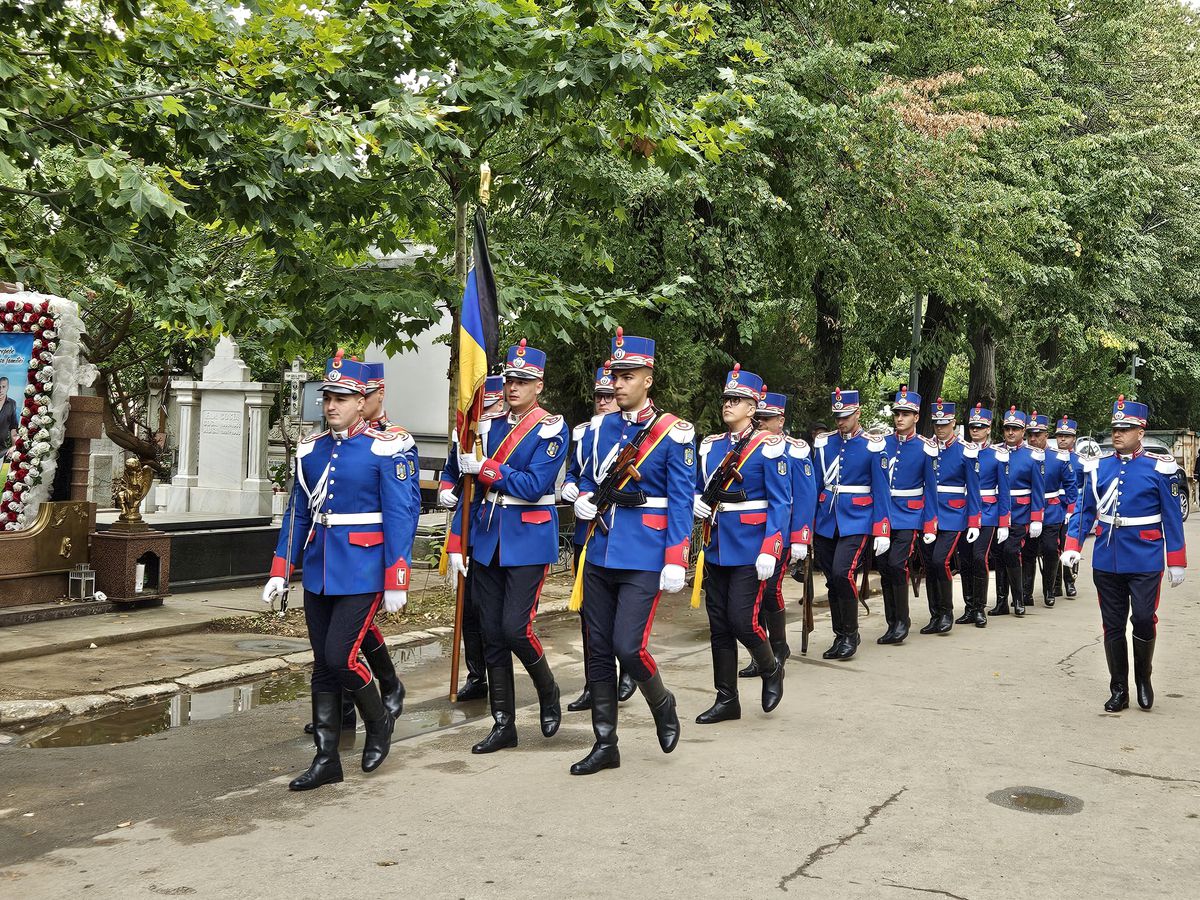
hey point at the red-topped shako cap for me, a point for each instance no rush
(1014, 417)
(1066, 426)
(1038, 422)
(980, 416)
(525, 362)
(943, 411)
(630, 352)
(345, 376)
(1130, 414)
(844, 403)
(743, 385)
(906, 400)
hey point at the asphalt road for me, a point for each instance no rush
(872, 779)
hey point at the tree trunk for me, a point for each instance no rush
(829, 330)
(939, 320)
(982, 385)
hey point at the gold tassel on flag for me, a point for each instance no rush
(698, 580)
(576, 602)
(444, 559)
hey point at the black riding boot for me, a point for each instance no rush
(504, 710)
(979, 599)
(1117, 654)
(390, 685)
(326, 766)
(1015, 581)
(727, 706)
(1028, 571)
(662, 707)
(933, 592)
(777, 630)
(1049, 567)
(968, 588)
(548, 695)
(626, 686)
(772, 668)
(1143, 656)
(349, 717)
(751, 670)
(1069, 573)
(900, 610)
(378, 723)
(889, 610)
(604, 753)
(584, 701)
(1001, 607)
(475, 687)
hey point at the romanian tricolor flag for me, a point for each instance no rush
(478, 335)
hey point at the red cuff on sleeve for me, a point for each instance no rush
(489, 474)
(396, 578)
(1036, 515)
(882, 529)
(803, 536)
(930, 527)
(453, 543)
(677, 555)
(280, 568)
(1071, 544)
(446, 485)
(772, 544)
(1005, 521)
(1177, 558)
(1070, 509)
(975, 521)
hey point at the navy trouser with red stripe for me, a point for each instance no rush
(773, 592)
(973, 558)
(937, 557)
(506, 598)
(337, 626)
(733, 596)
(893, 565)
(841, 558)
(618, 613)
(1123, 592)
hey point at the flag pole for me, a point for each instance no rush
(468, 488)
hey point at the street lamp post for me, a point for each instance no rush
(1133, 367)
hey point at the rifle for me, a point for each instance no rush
(916, 572)
(864, 590)
(714, 491)
(608, 493)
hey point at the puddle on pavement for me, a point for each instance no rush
(1036, 800)
(131, 723)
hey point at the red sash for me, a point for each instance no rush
(753, 444)
(664, 424)
(513, 439)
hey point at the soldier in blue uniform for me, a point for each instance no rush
(353, 514)
(1058, 480)
(909, 467)
(1065, 433)
(1028, 497)
(992, 468)
(514, 539)
(603, 402)
(853, 505)
(772, 614)
(750, 513)
(1132, 496)
(475, 687)
(638, 551)
(953, 507)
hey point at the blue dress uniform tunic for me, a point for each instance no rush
(853, 492)
(953, 501)
(804, 491)
(992, 466)
(574, 468)
(743, 530)
(1026, 484)
(910, 467)
(1060, 487)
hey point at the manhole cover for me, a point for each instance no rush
(273, 645)
(1036, 800)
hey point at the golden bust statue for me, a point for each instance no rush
(128, 491)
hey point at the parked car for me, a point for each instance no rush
(1153, 445)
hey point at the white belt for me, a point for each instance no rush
(907, 492)
(1057, 493)
(951, 489)
(988, 492)
(851, 489)
(652, 503)
(1024, 492)
(327, 519)
(1123, 521)
(743, 506)
(510, 500)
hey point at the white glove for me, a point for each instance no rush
(275, 588)
(1035, 529)
(393, 601)
(447, 499)
(765, 566)
(1001, 535)
(701, 510)
(585, 509)
(799, 552)
(881, 545)
(1070, 557)
(570, 492)
(468, 464)
(1175, 575)
(456, 564)
(972, 535)
(929, 537)
(672, 578)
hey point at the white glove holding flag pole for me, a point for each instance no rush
(468, 464)
(394, 601)
(928, 537)
(972, 535)
(1001, 535)
(701, 510)
(570, 492)
(585, 509)
(765, 566)
(881, 545)
(1070, 557)
(799, 552)
(671, 579)
(456, 564)
(1175, 575)
(275, 588)
(1035, 529)
(447, 499)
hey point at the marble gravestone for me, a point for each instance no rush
(222, 439)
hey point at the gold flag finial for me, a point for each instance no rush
(485, 183)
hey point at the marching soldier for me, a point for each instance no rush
(952, 506)
(353, 514)
(475, 687)
(772, 613)
(1059, 486)
(1065, 432)
(639, 546)
(992, 470)
(603, 402)
(513, 541)
(909, 468)
(853, 505)
(1028, 498)
(1133, 498)
(744, 490)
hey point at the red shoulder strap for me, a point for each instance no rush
(513, 439)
